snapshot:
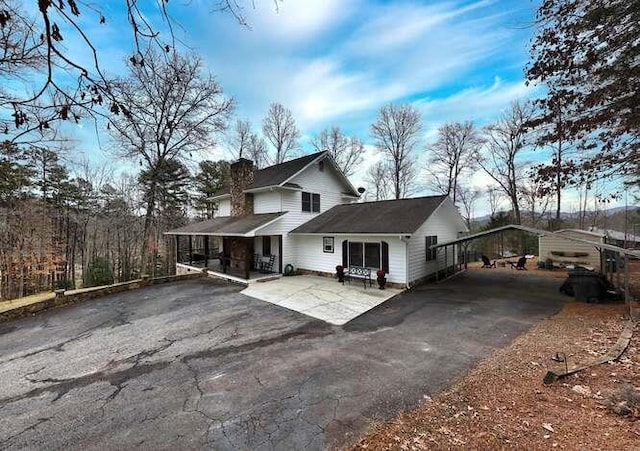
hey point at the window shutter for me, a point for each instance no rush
(345, 256)
(316, 203)
(385, 257)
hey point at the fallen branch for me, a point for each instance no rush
(612, 354)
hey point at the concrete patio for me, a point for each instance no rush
(320, 297)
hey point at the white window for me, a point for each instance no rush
(311, 202)
(327, 244)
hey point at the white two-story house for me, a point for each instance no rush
(304, 214)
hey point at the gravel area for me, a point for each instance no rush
(502, 403)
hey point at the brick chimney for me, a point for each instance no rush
(241, 177)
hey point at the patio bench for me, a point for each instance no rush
(358, 272)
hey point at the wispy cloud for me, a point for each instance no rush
(336, 62)
(479, 103)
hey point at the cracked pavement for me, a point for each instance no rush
(196, 364)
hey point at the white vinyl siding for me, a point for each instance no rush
(549, 244)
(224, 207)
(325, 183)
(267, 202)
(445, 223)
(311, 257)
(330, 187)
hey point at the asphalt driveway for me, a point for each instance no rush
(196, 365)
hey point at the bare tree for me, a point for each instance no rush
(504, 142)
(257, 151)
(239, 138)
(395, 132)
(52, 39)
(346, 151)
(452, 155)
(245, 143)
(468, 197)
(172, 110)
(378, 181)
(279, 127)
(535, 199)
(495, 199)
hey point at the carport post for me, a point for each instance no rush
(206, 251)
(190, 249)
(177, 248)
(446, 262)
(627, 297)
(618, 269)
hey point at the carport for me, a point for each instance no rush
(619, 252)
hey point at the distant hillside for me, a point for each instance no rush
(613, 218)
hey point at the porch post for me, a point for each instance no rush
(190, 250)
(177, 248)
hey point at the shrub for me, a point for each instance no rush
(99, 272)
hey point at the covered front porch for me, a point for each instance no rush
(230, 247)
(240, 257)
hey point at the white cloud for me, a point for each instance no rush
(398, 25)
(479, 104)
(418, 62)
(298, 20)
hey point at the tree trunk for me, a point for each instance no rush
(146, 232)
(558, 180)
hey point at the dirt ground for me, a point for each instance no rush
(503, 402)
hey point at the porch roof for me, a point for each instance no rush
(245, 226)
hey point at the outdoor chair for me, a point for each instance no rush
(487, 263)
(520, 265)
(267, 263)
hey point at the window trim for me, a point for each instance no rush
(312, 203)
(328, 244)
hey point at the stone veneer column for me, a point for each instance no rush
(242, 176)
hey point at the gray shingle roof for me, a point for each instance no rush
(279, 173)
(228, 225)
(276, 174)
(402, 216)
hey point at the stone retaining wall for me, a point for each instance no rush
(61, 297)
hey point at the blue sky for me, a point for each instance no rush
(336, 62)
